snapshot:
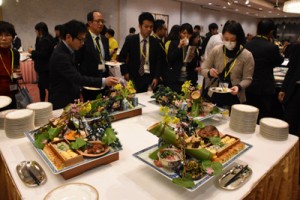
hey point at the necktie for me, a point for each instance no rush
(99, 48)
(143, 58)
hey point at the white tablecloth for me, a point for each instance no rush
(129, 178)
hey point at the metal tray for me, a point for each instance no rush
(229, 174)
(31, 173)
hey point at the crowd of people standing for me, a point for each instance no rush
(74, 62)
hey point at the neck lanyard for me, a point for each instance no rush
(261, 36)
(231, 66)
(155, 36)
(12, 64)
(98, 47)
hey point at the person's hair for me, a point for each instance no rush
(158, 24)
(194, 35)
(132, 30)
(174, 33)
(57, 27)
(111, 32)
(212, 26)
(264, 27)
(7, 28)
(236, 29)
(90, 15)
(104, 30)
(74, 28)
(188, 27)
(145, 16)
(197, 27)
(42, 28)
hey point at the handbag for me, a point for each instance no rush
(23, 97)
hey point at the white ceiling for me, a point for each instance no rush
(256, 8)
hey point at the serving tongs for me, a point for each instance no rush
(236, 176)
(31, 173)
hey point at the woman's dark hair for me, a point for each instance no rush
(174, 33)
(111, 32)
(74, 28)
(145, 16)
(264, 27)
(194, 35)
(236, 29)
(42, 28)
(7, 28)
(188, 27)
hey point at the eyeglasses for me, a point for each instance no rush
(99, 21)
(81, 40)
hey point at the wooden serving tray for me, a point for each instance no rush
(126, 114)
(95, 163)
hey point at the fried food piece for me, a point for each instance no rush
(208, 131)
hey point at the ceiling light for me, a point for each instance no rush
(247, 2)
(210, 4)
(260, 9)
(270, 11)
(236, 9)
(229, 3)
(249, 5)
(1, 2)
(224, 7)
(292, 6)
(235, 1)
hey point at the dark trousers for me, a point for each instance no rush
(142, 83)
(43, 84)
(89, 95)
(292, 112)
(265, 104)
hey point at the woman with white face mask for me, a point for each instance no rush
(229, 65)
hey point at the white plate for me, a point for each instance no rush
(73, 191)
(4, 101)
(220, 90)
(91, 88)
(40, 105)
(114, 64)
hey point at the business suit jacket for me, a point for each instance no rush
(42, 53)
(131, 51)
(89, 58)
(266, 56)
(292, 76)
(65, 79)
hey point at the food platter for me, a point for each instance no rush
(220, 90)
(87, 163)
(143, 156)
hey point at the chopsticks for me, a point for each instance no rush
(237, 176)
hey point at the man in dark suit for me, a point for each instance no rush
(261, 92)
(65, 79)
(93, 54)
(144, 56)
(290, 92)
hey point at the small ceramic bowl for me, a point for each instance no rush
(170, 158)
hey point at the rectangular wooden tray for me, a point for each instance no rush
(126, 114)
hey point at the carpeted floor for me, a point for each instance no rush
(34, 92)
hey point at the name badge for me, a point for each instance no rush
(13, 87)
(183, 68)
(101, 67)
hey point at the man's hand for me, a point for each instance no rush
(111, 81)
(213, 73)
(281, 96)
(154, 83)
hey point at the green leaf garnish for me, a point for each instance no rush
(79, 142)
(184, 182)
(41, 140)
(53, 132)
(216, 166)
(215, 110)
(154, 155)
(109, 136)
(215, 140)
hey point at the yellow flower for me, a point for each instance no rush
(132, 91)
(165, 110)
(118, 87)
(166, 119)
(199, 87)
(175, 120)
(185, 87)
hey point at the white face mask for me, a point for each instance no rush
(230, 45)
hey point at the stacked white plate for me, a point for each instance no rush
(2, 116)
(43, 112)
(274, 129)
(17, 122)
(243, 118)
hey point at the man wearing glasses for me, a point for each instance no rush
(93, 54)
(65, 79)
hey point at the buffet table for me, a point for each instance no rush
(275, 167)
(28, 72)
